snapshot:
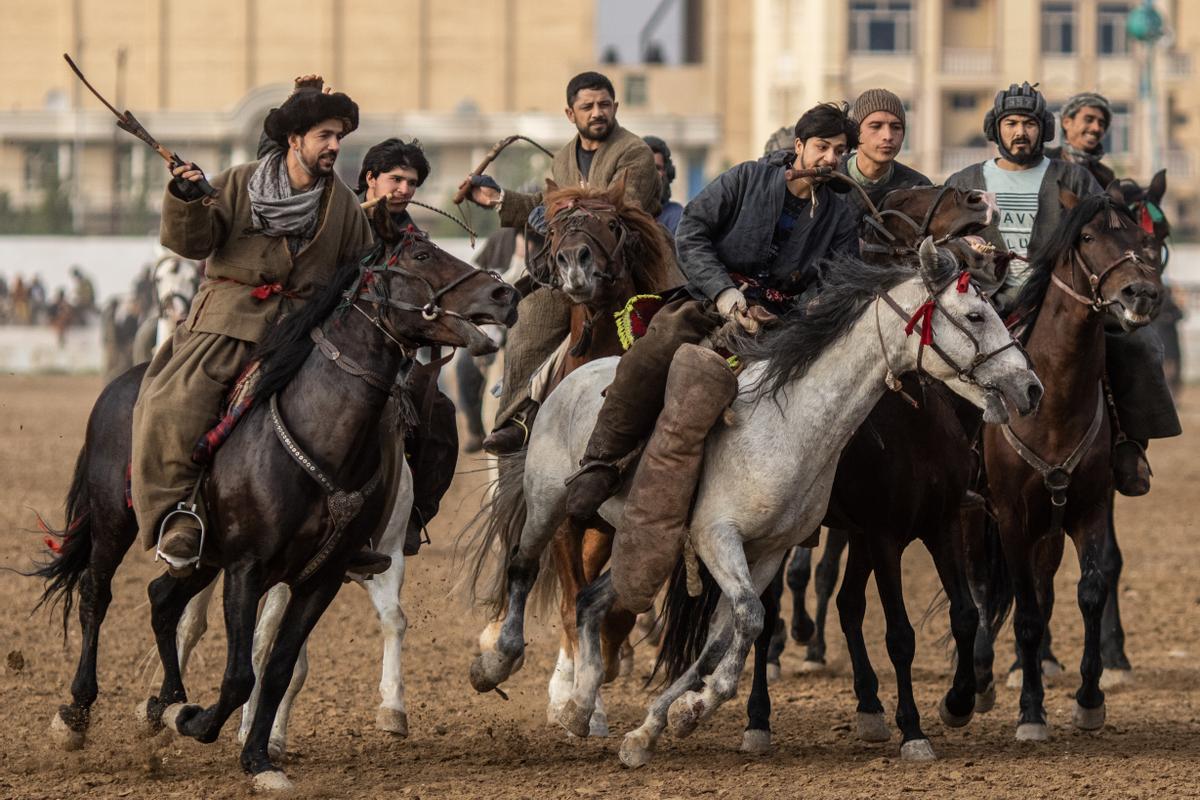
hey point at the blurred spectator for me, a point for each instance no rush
(37, 301)
(22, 314)
(83, 295)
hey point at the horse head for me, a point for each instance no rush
(974, 354)
(1146, 206)
(424, 296)
(1099, 258)
(601, 249)
(176, 281)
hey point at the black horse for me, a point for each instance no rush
(276, 507)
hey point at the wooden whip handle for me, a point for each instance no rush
(465, 187)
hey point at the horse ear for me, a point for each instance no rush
(1068, 198)
(927, 254)
(551, 186)
(1115, 194)
(616, 189)
(1158, 187)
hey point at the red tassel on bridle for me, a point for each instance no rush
(924, 316)
(964, 282)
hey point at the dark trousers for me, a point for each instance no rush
(432, 447)
(1145, 407)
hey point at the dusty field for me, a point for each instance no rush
(464, 745)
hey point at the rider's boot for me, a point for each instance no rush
(179, 546)
(1131, 469)
(700, 386)
(368, 562)
(511, 436)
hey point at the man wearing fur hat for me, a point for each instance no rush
(1085, 120)
(873, 165)
(277, 232)
(601, 152)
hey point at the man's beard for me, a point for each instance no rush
(586, 132)
(1024, 159)
(318, 169)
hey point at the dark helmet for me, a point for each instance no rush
(1025, 100)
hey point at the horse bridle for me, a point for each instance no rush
(570, 218)
(923, 317)
(1096, 281)
(920, 230)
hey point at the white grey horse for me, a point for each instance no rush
(176, 281)
(767, 477)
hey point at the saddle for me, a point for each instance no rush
(237, 403)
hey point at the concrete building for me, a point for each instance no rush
(948, 58)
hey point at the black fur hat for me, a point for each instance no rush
(308, 105)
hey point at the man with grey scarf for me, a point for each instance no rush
(272, 239)
(1085, 120)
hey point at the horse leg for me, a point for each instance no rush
(979, 562)
(1089, 535)
(265, 632)
(852, 607)
(776, 636)
(193, 625)
(1047, 556)
(567, 552)
(1117, 669)
(308, 603)
(243, 588)
(1029, 625)
(384, 591)
(638, 745)
(757, 736)
(826, 581)
(492, 667)
(799, 570)
(582, 714)
(723, 552)
(168, 598)
(958, 705)
(70, 724)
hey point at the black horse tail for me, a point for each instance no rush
(72, 546)
(497, 532)
(685, 623)
(999, 600)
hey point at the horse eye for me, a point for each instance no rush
(1087, 237)
(975, 316)
(421, 256)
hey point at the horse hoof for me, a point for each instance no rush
(1114, 678)
(598, 727)
(872, 727)
(685, 714)
(756, 742)
(950, 719)
(147, 724)
(985, 701)
(812, 667)
(636, 750)
(1051, 669)
(62, 734)
(487, 671)
(917, 750)
(173, 712)
(273, 780)
(774, 673)
(1033, 732)
(575, 719)
(276, 749)
(1088, 719)
(392, 720)
(1015, 680)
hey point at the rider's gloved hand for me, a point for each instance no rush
(730, 300)
(485, 191)
(186, 183)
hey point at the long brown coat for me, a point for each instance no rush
(622, 151)
(238, 261)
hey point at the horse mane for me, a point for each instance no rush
(286, 345)
(647, 252)
(791, 345)
(1059, 245)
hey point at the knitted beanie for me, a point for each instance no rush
(873, 100)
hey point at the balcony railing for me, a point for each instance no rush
(955, 158)
(967, 61)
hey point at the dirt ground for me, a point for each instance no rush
(468, 745)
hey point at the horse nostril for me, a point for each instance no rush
(585, 255)
(1035, 394)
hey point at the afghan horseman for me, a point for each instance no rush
(750, 242)
(1026, 182)
(600, 152)
(391, 173)
(274, 236)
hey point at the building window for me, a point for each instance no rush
(961, 101)
(635, 91)
(41, 166)
(1110, 29)
(1117, 139)
(881, 26)
(1058, 28)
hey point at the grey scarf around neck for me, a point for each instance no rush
(1083, 156)
(276, 210)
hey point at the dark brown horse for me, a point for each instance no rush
(293, 492)
(1052, 473)
(601, 252)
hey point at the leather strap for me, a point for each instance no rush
(346, 363)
